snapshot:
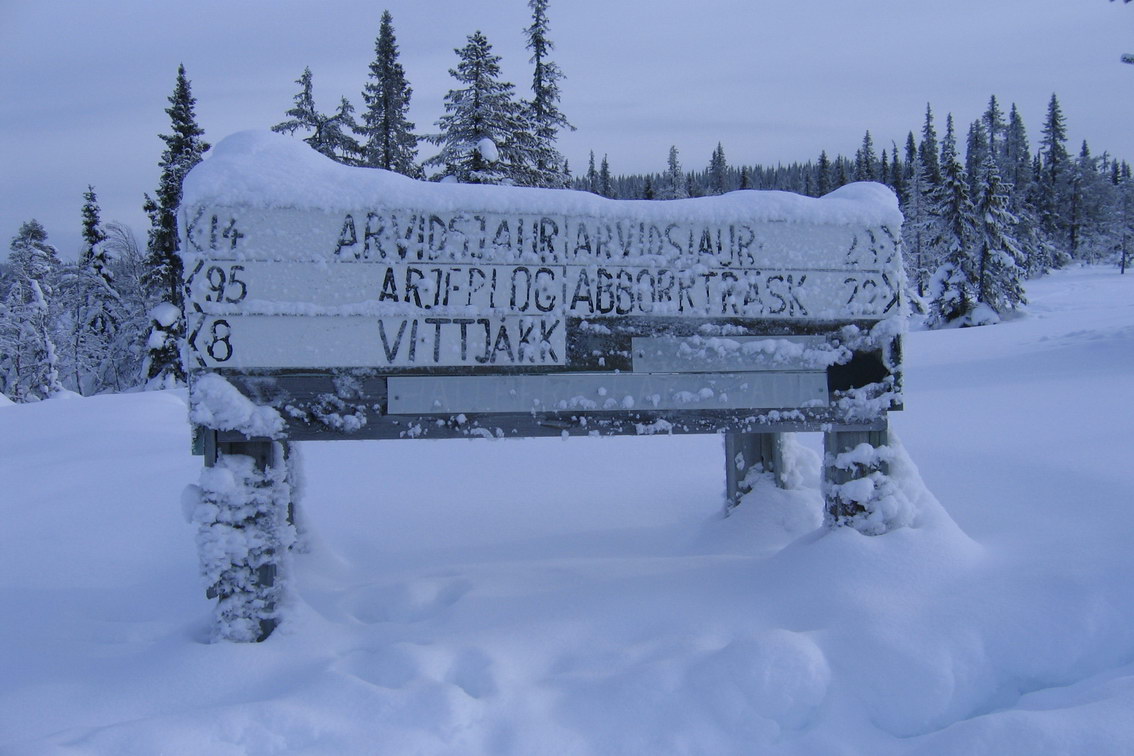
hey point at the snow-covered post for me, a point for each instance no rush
(242, 509)
(744, 451)
(856, 479)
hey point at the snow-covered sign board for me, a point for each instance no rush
(328, 302)
(439, 309)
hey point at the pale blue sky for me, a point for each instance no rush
(83, 85)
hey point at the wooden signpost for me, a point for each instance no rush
(358, 304)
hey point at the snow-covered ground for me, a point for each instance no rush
(586, 597)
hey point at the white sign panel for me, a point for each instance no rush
(274, 288)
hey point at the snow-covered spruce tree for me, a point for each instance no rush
(996, 129)
(128, 269)
(592, 175)
(953, 288)
(927, 151)
(1052, 178)
(1018, 172)
(95, 309)
(976, 150)
(390, 141)
(865, 160)
(918, 229)
(998, 269)
(897, 173)
(184, 148)
(543, 111)
(718, 171)
(329, 135)
(483, 131)
(822, 175)
(648, 189)
(1090, 193)
(672, 184)
(606, 183)
(29, 364)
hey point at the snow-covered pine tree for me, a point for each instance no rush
(718, 171)
(1052, 179)
(1092, 205)
(128, 269)
(390, 141)
(606, 184)
(823, 175)
(1123, 214)
(692, 186)
(543, 111)
(648, 189)
(953, 288)
(976, 150)
(76, 293)
(998, 270)
(995, 128)
(745, 178)
(842, 177)
(592, 175)
(330, 135)
(865, 161)
(96, 310)
(1018, 173)
(184, 148)
(897, 173)
(917, 231)
(673, 180)
(927, 151)
(483, 129)
(29, 363)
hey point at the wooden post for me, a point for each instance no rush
(248, 590)
(746, 450)
(841, 511)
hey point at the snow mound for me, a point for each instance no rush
(587, 597)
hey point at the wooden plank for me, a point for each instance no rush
(565, 392)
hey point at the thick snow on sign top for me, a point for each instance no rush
(261, 169)
(262, 198)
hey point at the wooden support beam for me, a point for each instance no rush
(743, 451)
(248, 590)
(839, 510)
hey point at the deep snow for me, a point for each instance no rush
(586, 597)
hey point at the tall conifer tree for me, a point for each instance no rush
(95, 308)
(483, 130)
(995, 128)
(823, 174)
(927, 150)
(998, 271)
(390, 141)
(954, 285)
(29, 363)
(184, 148)
(673, 184)
(543, 111)
(330, 135)
(976, 150)
(918, 229)
(865, 160)
(718, 171)
(1052, 178)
